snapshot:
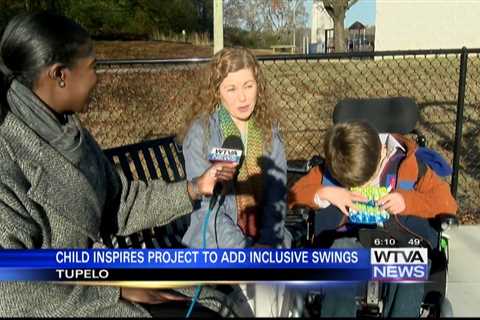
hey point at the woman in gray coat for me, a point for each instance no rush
(57, 189)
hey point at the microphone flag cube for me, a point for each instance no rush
(225, 155)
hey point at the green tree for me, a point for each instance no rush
(205, 15)
(51, 5)
(10, 8)
(109, 18)
(175, 15)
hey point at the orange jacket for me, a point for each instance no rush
(430, 196)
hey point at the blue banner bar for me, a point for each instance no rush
(186, 259)
(394, 264)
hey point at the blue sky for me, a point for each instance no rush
(363, 11)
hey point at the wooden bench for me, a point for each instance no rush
(153, 159)
(163, 158)
(283, 47)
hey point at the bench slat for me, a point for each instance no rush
(138, 165)
(161, 163)
(171, 161)
(125, 166)
(149, 161)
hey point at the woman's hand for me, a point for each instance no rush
(341, 197)
(203, 185)
(150, 296)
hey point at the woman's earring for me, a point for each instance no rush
(61, 83)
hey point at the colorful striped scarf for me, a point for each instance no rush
(249, 184)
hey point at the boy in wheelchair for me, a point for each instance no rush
(356, 155)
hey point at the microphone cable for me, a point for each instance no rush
(231, 142)
(198, 289)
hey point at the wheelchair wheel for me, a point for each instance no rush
(437, 307)
(313, 304)
(446, 308)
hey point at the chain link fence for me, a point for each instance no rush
(137, 100)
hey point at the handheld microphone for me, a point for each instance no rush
(231, 151)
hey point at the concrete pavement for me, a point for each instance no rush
(463, 289)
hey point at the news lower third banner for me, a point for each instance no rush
(386, 264)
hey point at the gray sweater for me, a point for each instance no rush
(46, 202)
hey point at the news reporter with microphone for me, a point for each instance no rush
(57, 188)
(249, 211)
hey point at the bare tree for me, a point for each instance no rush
(232, 13)
(279, 17)
(260, 15)
(282, 15)
(244, 14)
(336, 9)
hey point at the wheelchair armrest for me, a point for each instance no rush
(303, 212)
(444, 221)
(315, 161)
(303, 166)
(297, 166)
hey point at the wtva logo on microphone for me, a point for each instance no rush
(225, 155)
(399, 264)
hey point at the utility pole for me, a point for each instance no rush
(217, 25)
(294, 24)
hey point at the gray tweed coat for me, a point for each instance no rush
(46, 202)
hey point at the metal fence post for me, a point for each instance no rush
(459, 121)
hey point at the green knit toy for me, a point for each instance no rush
(369, 212)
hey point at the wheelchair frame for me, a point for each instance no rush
(435, 303)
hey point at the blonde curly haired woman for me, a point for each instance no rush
(235, 102)
(252, 211)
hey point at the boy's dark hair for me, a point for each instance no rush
(352, 152)
(31, 42)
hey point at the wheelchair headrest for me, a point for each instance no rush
(387, 115)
